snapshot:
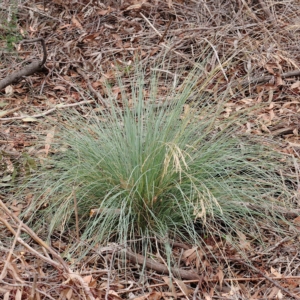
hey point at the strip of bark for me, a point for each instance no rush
(160, 268)
(266, 78)
(15, 77)
(30, 69)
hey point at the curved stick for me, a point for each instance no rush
(33, 67)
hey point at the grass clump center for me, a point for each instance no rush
(140, 171)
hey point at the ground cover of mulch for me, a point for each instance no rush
(87, 43)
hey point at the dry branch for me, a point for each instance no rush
(92, 90)
(47, 112)
(33, 67)
(230, 279)
(270, 279)
(277, 284)
(158, 267)
(59, 263)
(266, 78)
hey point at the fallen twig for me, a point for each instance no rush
(2, 275)
(61, 264)
(166, 30)
(270, 249)
(168, 47)
(22, 285)
(239, 279)
(35, 66)
(43, 46)
(283, 131)
(47, 112)
(153, 265)
(265, 78)
(270, 279)
(92, 90)
(30, 249)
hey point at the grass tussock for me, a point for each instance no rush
(140, 171)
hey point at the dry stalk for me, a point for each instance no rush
(2, 275)
(48, 111)
(61, 264)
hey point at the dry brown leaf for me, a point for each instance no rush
(91, 37)
(183, 287)
(279, 81)
(32, 29)
(207, 296)
(29, 119)
(273, 293)
(249, 127)
(93, 284)
(233, 290)
(272, 114)
(296, 221)
(114, 286)
(247, 100)
(103, 12)
(48, 141)
(16, 208)
(116, 91)
(292, 283)
(279, 295)
(76, 23)
(7, 112)
(113, 295)
(134, 7)
(118, 40)
(188, 253)
(9, 90)
(169, 282)
(244, 244)
(154, 51)
(67, 293)
(264, 128)
(192, 255)
(186, 111)
(271, 94)
(88, 278)
(11, 266)
(150, 296)
(6, 295)
(289, 104)
(59, 87)
(18, 295)
(220, 276)
(170, 3)
(118, 286)
(270, 69)
(295, 85)
(275, 273)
